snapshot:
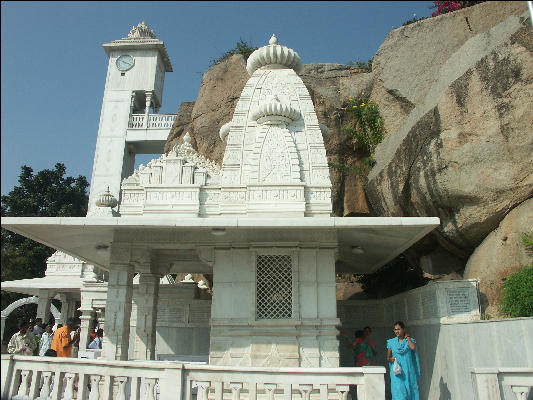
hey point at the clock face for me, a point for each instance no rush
(125, 62)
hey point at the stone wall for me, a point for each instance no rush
(182, 326)
(450, 343)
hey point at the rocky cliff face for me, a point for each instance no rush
(456, 94)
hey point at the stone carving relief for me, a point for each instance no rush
(141, 31)
(168, 179)
(64, 264)
(274, 164)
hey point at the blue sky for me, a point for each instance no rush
(53, 67)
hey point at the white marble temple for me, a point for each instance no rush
(259, 227)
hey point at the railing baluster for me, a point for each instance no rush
(203, 388)
(58, 386)
(287, 392)
(107, 388)
(35, 384)
(270, 387)
(23, 388)
(219, 390)
(343, 391)
(324, 392)
(236, 388)
(69, 387)
(135, 388)
(95, 387)
(121, 391)
(14, 383)
(306, 390)
(149, 386)
(47, 381)
(82, 386)
(252, 390)
(520, 391)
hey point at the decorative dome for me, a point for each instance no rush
(224, 131)
(106, 199)
(274, 112)
(273, 55)
(188, 279)
(202, 285)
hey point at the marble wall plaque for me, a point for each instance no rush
(458, 300)
(200, 313)
(172, 314)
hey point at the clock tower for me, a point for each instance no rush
(134, 86)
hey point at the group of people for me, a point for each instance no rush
(36, 338)
(402, 356)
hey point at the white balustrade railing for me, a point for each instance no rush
(155, 121)
(136, 121)
(67, 378)
(488, 381)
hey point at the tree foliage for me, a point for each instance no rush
(48, 193)
(241, 47)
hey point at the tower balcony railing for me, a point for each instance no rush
(154, 121)
(29, 377)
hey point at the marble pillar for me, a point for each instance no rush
(118, 312)
(147, 109)
(100, 316)
(3, 317)
(67, 308)
(43, 305)
(148, 294)
(86, 318)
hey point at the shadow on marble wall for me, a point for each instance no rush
(445, 393)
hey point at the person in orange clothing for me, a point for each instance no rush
(62, 342)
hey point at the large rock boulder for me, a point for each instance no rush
(500, 254)
(329, 86)
(220, 89)
(456, 93)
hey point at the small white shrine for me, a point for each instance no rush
(260, 224)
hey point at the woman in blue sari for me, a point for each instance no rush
(402, 349)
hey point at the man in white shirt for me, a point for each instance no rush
(97, 342)
(46, 340)
(23, 342)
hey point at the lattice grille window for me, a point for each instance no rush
(274, 287)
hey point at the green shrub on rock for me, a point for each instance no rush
(517, 293)
(241, 47)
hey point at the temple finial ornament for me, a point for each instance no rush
(274, 56)
(106, 199)
(141, 31)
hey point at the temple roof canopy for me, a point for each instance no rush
(362, 244)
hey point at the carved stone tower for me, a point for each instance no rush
(134, 84)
